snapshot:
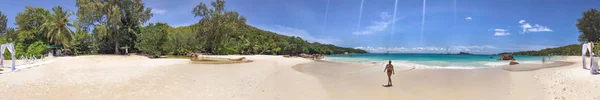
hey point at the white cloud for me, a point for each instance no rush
(289, 31)
(521, 21)
(430, 49)
(159, 11)
(377, 26)
(468, 18)
(501, 32)
(535, 28)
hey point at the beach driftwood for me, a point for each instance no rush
(507, 56)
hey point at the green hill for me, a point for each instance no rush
(246, 39)
(571, 50)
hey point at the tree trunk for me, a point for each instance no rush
(116, 46)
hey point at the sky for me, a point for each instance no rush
(403, 26)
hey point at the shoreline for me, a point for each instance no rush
(275, 77)
(357, 81)
(420, 65)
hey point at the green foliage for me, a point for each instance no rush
(185, 40)
(589, 26)
(82, 43)
(29, 23)
(105, 26)
(571, 50)
(216, 25)
(154, 39)
(56, 28)
(10, 36)
(114, 21)
(20, 50)
(3, 22)
(37, 49)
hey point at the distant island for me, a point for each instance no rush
(464, 53)
(569, 50)
(459, 53)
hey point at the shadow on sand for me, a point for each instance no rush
(532, 67)
(385, 85)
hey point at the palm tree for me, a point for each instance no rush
(56, 28)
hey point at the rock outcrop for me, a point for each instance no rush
(507, 56)
(513, 63)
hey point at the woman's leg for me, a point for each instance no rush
(389, 78)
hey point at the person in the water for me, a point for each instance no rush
(389, 68)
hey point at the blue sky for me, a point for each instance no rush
(478, 26)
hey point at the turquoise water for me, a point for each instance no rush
(433, 60)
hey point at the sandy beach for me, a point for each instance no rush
(101, 77)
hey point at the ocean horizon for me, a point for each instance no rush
(433, 60)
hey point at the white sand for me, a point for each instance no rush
(569, 83)
(136, 77)
(277, 78)
(351, 81)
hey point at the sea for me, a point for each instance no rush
(450, 61)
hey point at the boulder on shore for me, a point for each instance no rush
(507, 56)
(513, 63)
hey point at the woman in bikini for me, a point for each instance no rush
(389, 68)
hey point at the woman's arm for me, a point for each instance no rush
(385, 68)
(394, 71)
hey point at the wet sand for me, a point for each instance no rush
(352, 81)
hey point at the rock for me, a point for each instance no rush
(303, 55)
(507, 56)
(513, 63)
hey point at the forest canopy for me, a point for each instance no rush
(570, 50)
(111, 26)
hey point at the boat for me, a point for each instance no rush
(199, 59)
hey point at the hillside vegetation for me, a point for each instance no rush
(113, 26)
(570, 50)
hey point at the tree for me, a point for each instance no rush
(9, 36)
(153, 39)
(81, 43)
(217, 24)
(185, 40)
(56, 27)
(3, 21)
(118, 20)
(29, 23)
(589, 26)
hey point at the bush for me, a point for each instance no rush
(154, 39)
(37, 49)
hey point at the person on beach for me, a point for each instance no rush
(389, 68)
(543, 60)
